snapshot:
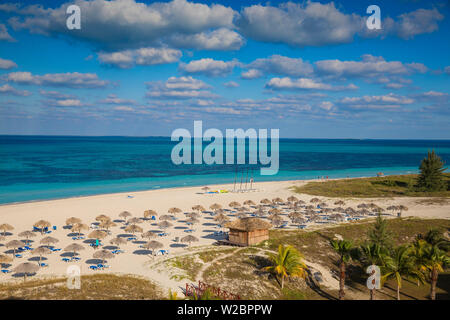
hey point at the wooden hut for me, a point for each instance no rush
(248, 231)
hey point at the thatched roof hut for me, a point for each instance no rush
(248, 231)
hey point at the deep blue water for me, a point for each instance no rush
(47, 167)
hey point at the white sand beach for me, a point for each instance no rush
(23, 216)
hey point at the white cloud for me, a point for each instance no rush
(179, 88)
(143, 56)
(388, 100)
(417, 22)
(251, 74)
(7, 64)
(280, 65)
(7, 89)
(369, 67)
(231, 84)
(113, 99)
(219, 39)
(4, 35)
(55, 95)
(287, 83)
(68, 103)
(69, 80)
(127, 24)
(209, 67)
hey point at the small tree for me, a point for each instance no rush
(345, 250)
(431, 177)
(380, 234)
(436, 261)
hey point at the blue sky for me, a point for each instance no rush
(141, 68)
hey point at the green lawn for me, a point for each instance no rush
(389, 186)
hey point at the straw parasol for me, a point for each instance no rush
(153, 245)
(72, 220)
(314, 200)
(192, 221)
(189, 239)
(48, 240)
(309, 207)
(27, 234)
(26, 268)
(205, 188)
(42, 224)
(299, 220)
(292, 199)
(193, 215)
(134, 220)
(401, 208)
(97, 234)
(215, 207)
(220, 217)
(5, 259)
(118, 241)
(149, 235)
(74, 247)
(274, 211)
(277, 200)
(125, 215)
(150, 213)
(133, 228)
(14, 244)
(260, 212)
(166, 217)
(41, 251)
(103, 254)
(6, 227)
(234, 204)
(174, 210)
(198, 208)
(339, 203)
(249, 203)
(102, 217)
(265, 201)
(106, 224)
(300, 202)
(165, 224)
(78, 227)
(277, 220)
(241, 215)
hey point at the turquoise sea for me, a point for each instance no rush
(50, 167)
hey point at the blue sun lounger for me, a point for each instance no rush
(6, 271)
(93, 267)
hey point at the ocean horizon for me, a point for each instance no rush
(34, 168)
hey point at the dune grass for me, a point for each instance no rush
(389, 186)
(93, 287)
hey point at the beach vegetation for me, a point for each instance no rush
(431, 177)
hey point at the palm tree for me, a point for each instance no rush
(418, 255)
(288, 262)
(401, 264)
(435, 261)
(372, 254)
(345, 249)
(435, 238)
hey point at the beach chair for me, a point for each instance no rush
(65, 259)
(5, 271)
(18, 255)
(55, 249)
(43, 264)
(54, 228)
(93, 267)
(153, 218)
(75, 259)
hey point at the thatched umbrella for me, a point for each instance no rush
(153, 245)
(220, 216)
(166, 217)
(300, 202)
(97, 234)
(292, 199)
(124, 215)
(6, 227)
(362, 206)
(193, 215)
(198, 208)
(309, 207)
(274, 211)
(314, 200)
(133, 228)
(338, 209)
(277, 200)
(249, 203)
(27, 234)
(5, 259)
(14, 244)
(72, 220)
(41, 251)
(150, 213)
(241, 215)
(350, 210)
(26, 268)
(149, 235)
(189, 239)
(103, 254)
(205, 188)
(192, 221)
(243, 209)
(74, 247)
(260, 212)
(299, 220)
(363, 212)
(106, 224)
(401, 208)
(234, 204)
(339, 203)
(102, 217)
(277, 220)
(134, 220)
(118, 241)
(42, 224)
(294, 215)
(48, 240)
(215, 207)
(174, 210)
(265, 201)
(165, 224)
(78, 227)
